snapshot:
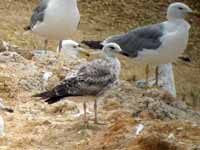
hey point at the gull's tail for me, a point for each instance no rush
(44, 95)
(93, 44)
(65, 89)
(50, 96)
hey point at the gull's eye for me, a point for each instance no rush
(79, 45)
(74, 46)
(111, 47)
(180, 8)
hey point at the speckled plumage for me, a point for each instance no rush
(91, 79)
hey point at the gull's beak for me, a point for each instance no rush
(83, 52)
(195, 13)
(189, 10)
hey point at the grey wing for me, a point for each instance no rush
(38, 13)
(136, 40)
(95, 76)
(68, 87)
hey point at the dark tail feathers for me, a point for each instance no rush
(49, 97)
(10, 110)
(53, 100)
(185, 58)
(93, 44)
(43, 95)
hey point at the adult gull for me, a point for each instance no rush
(155, 44)
(93, 78)
(71, 48)
(55, 19)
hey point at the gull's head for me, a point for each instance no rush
(70, 46)
(178, 11)
(111, 49)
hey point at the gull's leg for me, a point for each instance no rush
(95, 111)
(156, 74)
(147, 74)
(85, 113)
(95, 114)
(45, 44)
(85, 119)
(60, 46)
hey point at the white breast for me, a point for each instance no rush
(175, 41)
(61, 20)
(116, 66)
(1, 126)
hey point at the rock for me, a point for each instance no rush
(7, 85)
(6, 57)
(150, 104)
(8, 47)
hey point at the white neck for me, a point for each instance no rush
(65, 3)
(180, 24)
(114, 60)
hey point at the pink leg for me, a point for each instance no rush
(95, 111)
(85, 119)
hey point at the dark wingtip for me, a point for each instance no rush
(93, 44)
(27, 28)
(53, 100)
(43, 95)
(10, 110)
(48, 97)
(185, 58)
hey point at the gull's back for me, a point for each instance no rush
(55, 19)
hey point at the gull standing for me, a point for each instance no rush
(92, 78)
(155, 44)
(55, 19)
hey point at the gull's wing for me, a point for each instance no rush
(136, 40)
(90, 79)
(38, 14)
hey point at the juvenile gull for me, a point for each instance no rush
(55, 19)
(92, 78)
(155, 44)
